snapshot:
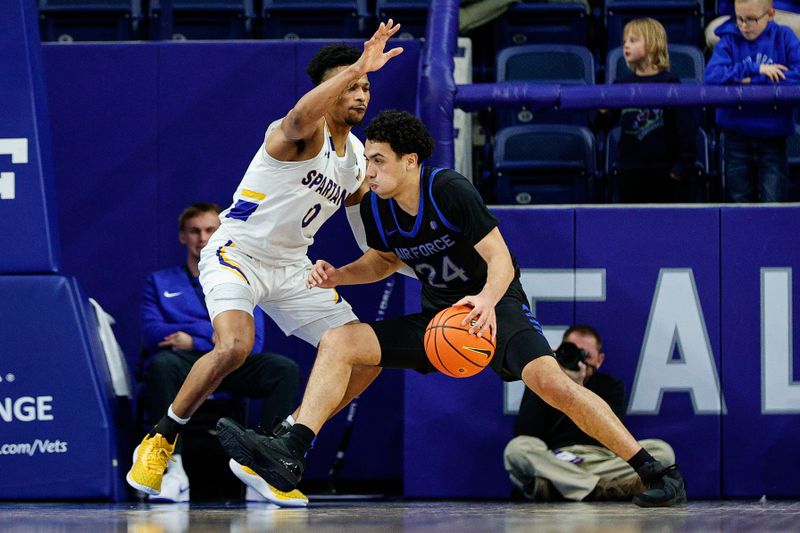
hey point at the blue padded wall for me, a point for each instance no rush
(27, 234)
(58, 434)
(635, 246)
(760, 369)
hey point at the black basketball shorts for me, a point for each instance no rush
(519, 339)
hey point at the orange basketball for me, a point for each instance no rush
(451, 349)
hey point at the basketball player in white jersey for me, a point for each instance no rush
(309, 165)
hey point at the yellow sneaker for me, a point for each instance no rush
(150, 460)
(269, 493)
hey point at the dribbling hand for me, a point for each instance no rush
(483, 314)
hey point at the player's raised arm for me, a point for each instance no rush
(304, 120)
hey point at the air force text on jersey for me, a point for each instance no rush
(426, 249)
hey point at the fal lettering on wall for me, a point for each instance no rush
(676, 354)
(17, 148)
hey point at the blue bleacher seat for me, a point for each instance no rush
(702, 189)
(686, 61)
(411, 14)
(201, 19)
(544, 163)
(683, 19)
(542, 63)
(89, 20)
(538, 23)
(314, 19)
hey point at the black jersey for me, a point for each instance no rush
(439, 242)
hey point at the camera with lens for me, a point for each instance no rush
(568, 355)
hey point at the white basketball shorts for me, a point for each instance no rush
(232, 279)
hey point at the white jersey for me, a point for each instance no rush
(279, 205)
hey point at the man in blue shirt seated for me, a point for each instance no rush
(178, 331)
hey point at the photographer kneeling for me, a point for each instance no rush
(551, 459)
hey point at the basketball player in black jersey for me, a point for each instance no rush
(434, 220)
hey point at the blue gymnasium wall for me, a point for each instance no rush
(695, 307)
(26, 177)
(55, 388)
(141, 130)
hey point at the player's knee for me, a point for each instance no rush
(336, 344)
(230, 353)
(551, 385)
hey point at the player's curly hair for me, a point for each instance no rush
(331, 56)
(404, 132)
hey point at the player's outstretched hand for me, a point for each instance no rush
(373, 57)
(482, 313)
(321, 274)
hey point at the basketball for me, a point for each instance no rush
(451, 349)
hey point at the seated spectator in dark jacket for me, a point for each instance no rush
(551, 458)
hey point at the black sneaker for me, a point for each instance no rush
(271, 458)
(665, 486)
(279, 429)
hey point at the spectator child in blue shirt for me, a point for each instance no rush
(753, 49)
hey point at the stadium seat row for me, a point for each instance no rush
(574, 65)
(524, 23)
(101, 20)
(565, 164)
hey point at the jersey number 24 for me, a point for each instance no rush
(449, 272)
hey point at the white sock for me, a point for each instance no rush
(291, 420)
(176, 418)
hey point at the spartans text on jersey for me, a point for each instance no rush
(325, 187)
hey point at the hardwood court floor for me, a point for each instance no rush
(402, 516)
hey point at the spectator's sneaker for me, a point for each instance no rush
(150, 460)
(665, 486)
(537, 489)
(615, 490)
(174, 484)
(263, 490)
(272, 458)
(541, 490)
